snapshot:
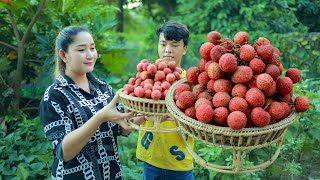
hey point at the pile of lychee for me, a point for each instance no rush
(153, 80)
(238, 84)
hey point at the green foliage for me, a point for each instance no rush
(25, 153)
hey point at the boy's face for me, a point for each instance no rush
(171, 50)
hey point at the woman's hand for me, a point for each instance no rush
(110, 113)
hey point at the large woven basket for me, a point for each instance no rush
(155, 109)
(224, 137)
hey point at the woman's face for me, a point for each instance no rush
(171, 50)
(81, 56)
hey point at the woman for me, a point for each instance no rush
(80, 113)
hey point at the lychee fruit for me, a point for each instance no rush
(187, 99)
(264, 81)
(216, 52)
(220, 116)
(241, 38)
(221, 99)
(239, 90)
(213, 37)
(237, 120)
(192, 75)
(238, 104)
(255, 97)
(257, 65)
(204, 113)
(191, 112)
(182, 87)
(276, 110)
(259, 117)
(247, 53)
(214, 71)
(222, 85)
(284, 85)
(241, 75)
(301, 104)
(294, 74)
(205, 49)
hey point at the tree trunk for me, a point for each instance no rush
(18, 77)
(120, 16)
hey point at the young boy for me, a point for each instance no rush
(164, 154)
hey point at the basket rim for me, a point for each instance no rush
(220, 129)
(138, 99)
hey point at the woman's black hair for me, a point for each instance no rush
(63, 41)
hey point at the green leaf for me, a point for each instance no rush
(38, 166)
(22, 172)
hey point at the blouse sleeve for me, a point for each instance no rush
(55, 119)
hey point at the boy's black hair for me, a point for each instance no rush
(173, 30)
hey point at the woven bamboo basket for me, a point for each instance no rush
(240, 141)
(156, 110)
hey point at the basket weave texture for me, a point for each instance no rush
(225, 137)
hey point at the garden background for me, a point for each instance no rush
(124, 33)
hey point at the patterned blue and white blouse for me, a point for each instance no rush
(64, 108)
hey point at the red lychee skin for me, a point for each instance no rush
(276, 50)
(226, 43)
(257, 65)
(129, 88)
(221, 99)
(178, 77)
(158, 61)
(216, 52)
(144, 75)
(214, 71)
(276, 111)
(170, 78)
(255, 97)
(284, 85)
(152, 69)
(222, 85)
(239, 90)
(178, 69)
(241, 38)
(237, 120)
(205, 49)
(147, 86)
(172, 65)
(287, 109)
(139, 91)
(265, 52)
(203, 78)
(271, 91)
(148, 81)
(180, 106)
(202, 65)
(213, 37)
(241, 75)
(294, 74)
(280, 68)
(301, 104)
(132, 81)
(162, 65)
(207, 65)
(210, 85)
(147, 94)
(264, 81)
(261, 41)
(182, 87)
(273, 71)
(160, 75)
(139, 67)
(285, 98)
(275, 59)
(197, 89)
(191, 112)
(157, 87)
(201, 101)
(220, 116)
(247, 53)
(167, 71)
(238, 104)
(228, 62)
(260, 117)
(204, 113)
(192, 75)
(165, 85)
(187, 99)
(205, 95)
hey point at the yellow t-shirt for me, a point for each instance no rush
(164, 150)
